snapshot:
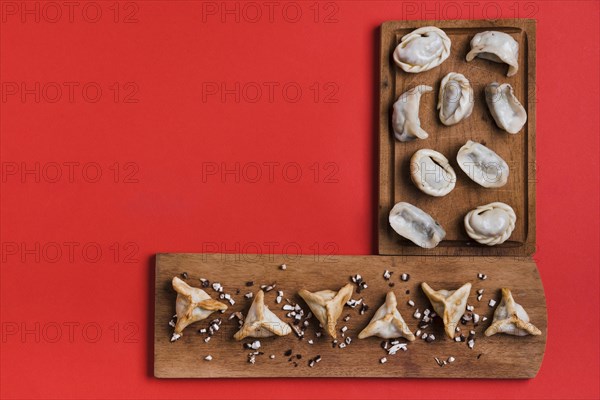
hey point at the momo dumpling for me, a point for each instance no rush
(482, 165)
(422, 49)
(327, 305)
(261, 322)
(431, 172)
(405, 118)
(416, 225)
(192, 305)
(498, 47)
(455, 100)
(511, 318)
(448, 304)
(505, 108)
(387, 323)
(491, 224)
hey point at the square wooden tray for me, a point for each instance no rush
(498, 356)
(517, 150)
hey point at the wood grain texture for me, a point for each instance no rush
(517, 150)
(499, 356)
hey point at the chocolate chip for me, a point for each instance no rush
(250, 283)
(288, 353)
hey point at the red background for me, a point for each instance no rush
(171, 53)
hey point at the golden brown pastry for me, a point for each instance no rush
(511, 318)
(192, 305)
(387, 323)
(261, 322)
(448, 304)
(327, 305)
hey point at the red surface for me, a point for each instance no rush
(176, 141)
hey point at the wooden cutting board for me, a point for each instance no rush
(517, 150)
(499, 356)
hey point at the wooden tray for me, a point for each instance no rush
(499, 356)
(517, 150)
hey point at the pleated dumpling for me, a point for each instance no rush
(448, 304)
(327, 305)
(455, 100)
(192, 305)
(511, 318)
(491, 224)
(261, 322)
(422, 49)
(431, 172)
(387, 323)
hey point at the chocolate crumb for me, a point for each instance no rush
(250, 283)
(184, 275)
(288, 353)
(299, 356)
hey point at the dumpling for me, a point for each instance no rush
(327, 305)
(511, 318)
(416, 225)
(192, 305)
(387, 323)
(449, 304)
(405, 118)
(261, 322)
(505, 108)
(422, 49)
(455, 101)
(491, 224)
(431, 172)
(482, 165)
(498, 47)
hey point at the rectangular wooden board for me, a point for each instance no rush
(517, 150)
(499, 356)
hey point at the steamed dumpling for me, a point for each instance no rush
(422, 49)
(416, 225)
(456, 99)
(507, 111)
(496, 46)
(491, 224)
(405, 117)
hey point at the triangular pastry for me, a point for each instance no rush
(387, 323)
(192, 305)
(448, 304)
(327, 305)
(261, 322)
(511, 318)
